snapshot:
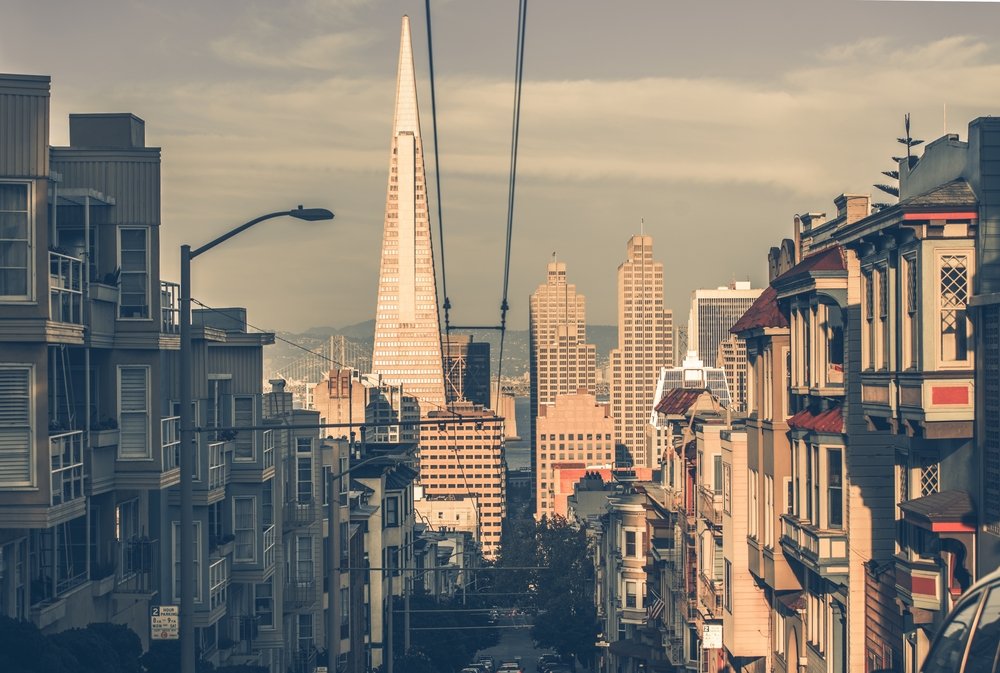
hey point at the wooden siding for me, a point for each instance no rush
(24, 126)
(131, 177)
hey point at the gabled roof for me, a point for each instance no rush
(829, 421)
(830, 260)
(764, 312)
(677, 401)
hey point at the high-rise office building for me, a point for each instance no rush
(467, 369)
(645, 344)
(733, 359)
(560, 360)
(576, 430)
(407, 334)
(713, 312)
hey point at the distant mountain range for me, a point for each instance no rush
(515, 355)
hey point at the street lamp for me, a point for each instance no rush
(187, 456)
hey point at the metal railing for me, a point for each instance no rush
(170, 439)
(711, 596)
(218, 582)
(170, 310)
(303, 660)
(268, 441)
(269, 546)
(66, 458)
(137, 565)
(299, 513)
(710, 506)
(65, 288)
(217, 468)
(300, 591)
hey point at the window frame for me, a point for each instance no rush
(970, 269)
(30, 271)
(147, 271)
(148, 454)
(252, 528)
(28, 426)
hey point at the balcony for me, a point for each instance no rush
(710, 594)
(822, 551)
(66, 459)
(710, 506)
(298, 514)
(170, 311)
(918, 583)
(300, 592)
(137, 566)
(65, 289)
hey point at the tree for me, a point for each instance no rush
(447, 633)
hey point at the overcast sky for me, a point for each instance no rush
(716, 122)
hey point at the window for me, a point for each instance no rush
(911, 331)
(717, 474)
(133, 412)
(267, 502)
(16, 434)
(345, 612)
(133, 283)
(727, 586)
(834, 345)
(883, 318)
(264, 603)
(303, 474)
(243, 416)
(727, 487)
(303, 445)
(15, 242)
(630, 545)
(835, 488)
(244, 529)
(196, 554)
(869, 343)
(952, 298)
(391, 512)
(949, 649)
(753, 510)
(779, 634)
(305, 632)
(768, 511)
(630, 594)
(304, 559)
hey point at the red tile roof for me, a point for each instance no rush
(831, 259)
(764, 312)
(831, 420)
(677, 401)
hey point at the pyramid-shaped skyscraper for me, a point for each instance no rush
(407, 332)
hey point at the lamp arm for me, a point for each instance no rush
(243, 227)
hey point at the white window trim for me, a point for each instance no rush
(253, 529)
(970, 271)
(149, 442)
(30, 297)
(32, 481)
(149, 274)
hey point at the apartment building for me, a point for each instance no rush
(88, 438)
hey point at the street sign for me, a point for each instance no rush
(711, 637)
(164, 622)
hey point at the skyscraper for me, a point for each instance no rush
(645, 343)
(560, 360)
(407, 334)
(713, 312)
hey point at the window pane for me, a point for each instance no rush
(947, 652)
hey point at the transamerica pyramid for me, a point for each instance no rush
(407, 332)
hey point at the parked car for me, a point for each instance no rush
(969, 638)
(546, 659)
(486, 661)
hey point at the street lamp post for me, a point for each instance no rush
(187, 457)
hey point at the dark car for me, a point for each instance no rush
(546, 660)
(969, 639)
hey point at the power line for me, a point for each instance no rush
(437, 171)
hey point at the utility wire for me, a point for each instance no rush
(437, 168)
(307, 350)
(515, 135)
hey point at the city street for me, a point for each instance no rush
(515, 641)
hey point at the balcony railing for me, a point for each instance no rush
(66, 455)
(709, 508)
(300, 592)
(218, 582)
(268, 441)
(65, 288)
(299, 513)
(711, 596)
(303, 660)
(170, 438)
(218, 473)
(137, 565)
(170, 311)
(269, 546)
(824, 550)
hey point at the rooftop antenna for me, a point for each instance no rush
(642, 226)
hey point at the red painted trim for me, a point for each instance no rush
(969, 215)
(949, 394)
(925, 586)
(952, 527)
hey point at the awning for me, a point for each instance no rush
(942, 512)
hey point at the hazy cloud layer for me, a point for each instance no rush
(294, 105)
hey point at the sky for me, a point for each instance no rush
(712, 122)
